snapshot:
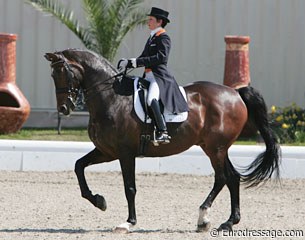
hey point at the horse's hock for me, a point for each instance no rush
(14, 107)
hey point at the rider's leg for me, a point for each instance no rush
(152, 101)
(153, 90)
(162, 135)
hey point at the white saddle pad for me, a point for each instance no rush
(169, 116)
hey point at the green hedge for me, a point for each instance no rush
(288, 123)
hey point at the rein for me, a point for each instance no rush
(95, 88)
(105, 82)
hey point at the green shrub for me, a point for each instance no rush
(288, 123)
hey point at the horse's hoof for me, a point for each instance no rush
(100, 202)
(225, 227)
(123, 228)
(203, 227)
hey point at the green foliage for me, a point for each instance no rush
(108, 21)
(288, 123)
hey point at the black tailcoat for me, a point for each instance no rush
(155, 57)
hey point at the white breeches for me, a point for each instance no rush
(153, 91)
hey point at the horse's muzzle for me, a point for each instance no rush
(64, 109)
(67, 107)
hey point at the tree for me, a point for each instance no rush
(108, 21)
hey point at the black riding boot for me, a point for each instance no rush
(161, 135)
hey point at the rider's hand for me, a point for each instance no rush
(122, 64)
(132, 63)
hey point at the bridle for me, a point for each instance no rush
(70, 76)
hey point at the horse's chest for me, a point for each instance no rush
(102, 138)
(97, 131)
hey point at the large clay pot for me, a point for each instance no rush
(14, 107)
(237, 70)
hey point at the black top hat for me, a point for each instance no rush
(159, 13)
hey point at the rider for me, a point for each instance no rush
(162, 83)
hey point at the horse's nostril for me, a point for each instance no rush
(63, 109)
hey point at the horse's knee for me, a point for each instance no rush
(79, 166)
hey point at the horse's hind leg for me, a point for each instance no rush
(233, 182)
(220, 180)
(203, 223)
(93, 157)
(224, 174)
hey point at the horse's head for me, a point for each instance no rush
(67, 76)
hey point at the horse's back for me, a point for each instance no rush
(205, 86)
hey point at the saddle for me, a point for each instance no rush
(140, 105)
(140, 90)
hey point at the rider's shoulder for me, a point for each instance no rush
(163, 36)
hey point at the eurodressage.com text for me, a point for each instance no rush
(271, 233)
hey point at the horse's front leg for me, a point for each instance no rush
(128, 172)
(94, 157)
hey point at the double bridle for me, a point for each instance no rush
(70, 90)
(70, 76)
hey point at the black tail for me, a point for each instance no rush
(266, 163)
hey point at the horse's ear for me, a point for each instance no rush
(52, 57)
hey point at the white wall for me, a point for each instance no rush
(197, 29)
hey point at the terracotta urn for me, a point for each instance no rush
(237, 69)
(14, 107)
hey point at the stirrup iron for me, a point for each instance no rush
(156, 142)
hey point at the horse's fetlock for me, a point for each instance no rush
(203, 207)
(236, 218)
(86, 195)
(132, 221)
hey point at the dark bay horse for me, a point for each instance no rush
(216, 118)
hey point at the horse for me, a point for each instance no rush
(217, 115)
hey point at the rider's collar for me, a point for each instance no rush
(153, 32)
